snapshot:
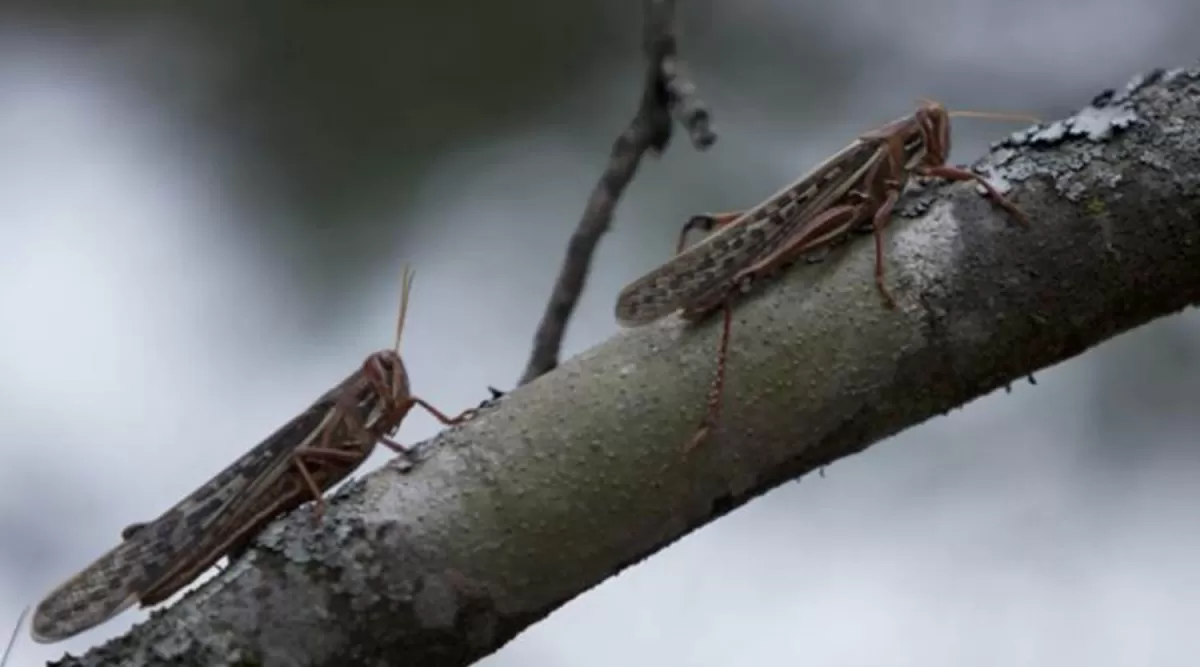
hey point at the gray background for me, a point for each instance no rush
(204, 212)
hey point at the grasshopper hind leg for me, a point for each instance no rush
(238, 548)
(717, 389)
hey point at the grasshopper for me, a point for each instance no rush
(312, 452)
(857, 186)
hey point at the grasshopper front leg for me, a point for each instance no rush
(956, 174)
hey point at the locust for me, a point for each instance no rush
(857, 186)
(315, 450)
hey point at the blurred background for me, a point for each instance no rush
(204, 211)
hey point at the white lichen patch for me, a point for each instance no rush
(998, 178)
(1099, 124)
(1169, 76)
(925, 249)
(1091, 123)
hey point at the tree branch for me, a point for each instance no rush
(579, 475)
(665, 93)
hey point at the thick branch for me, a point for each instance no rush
(580, 474)
(666, 92)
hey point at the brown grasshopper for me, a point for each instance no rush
(297, 463)
(859, 185)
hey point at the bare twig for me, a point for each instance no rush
(667, 93)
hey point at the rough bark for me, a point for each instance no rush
(579, 473)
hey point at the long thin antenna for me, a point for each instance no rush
(1018, 117)
(13, 639)
(405, 288)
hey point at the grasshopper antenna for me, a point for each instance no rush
(1016, 117)
(13, 639)
(405, 289)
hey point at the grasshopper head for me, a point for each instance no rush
(386, 373)
(934, 123)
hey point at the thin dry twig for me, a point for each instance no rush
(667, 93)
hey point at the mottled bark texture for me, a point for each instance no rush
(579, 473)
